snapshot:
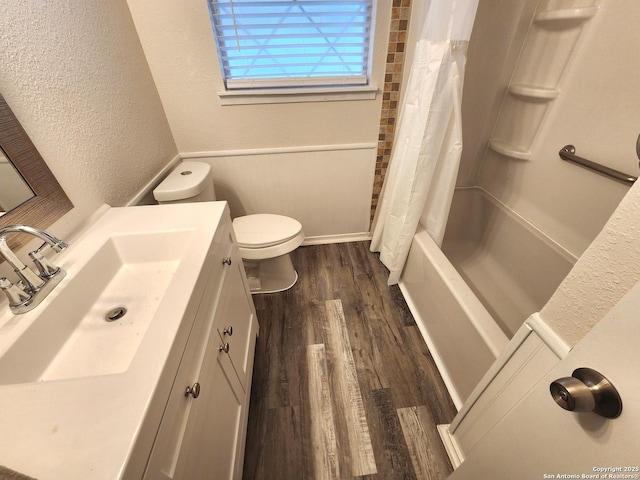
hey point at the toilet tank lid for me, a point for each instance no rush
(186, 180)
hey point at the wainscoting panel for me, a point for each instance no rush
(327, 188)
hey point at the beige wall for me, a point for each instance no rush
(179, 45)
(178, 41)
(76, 77)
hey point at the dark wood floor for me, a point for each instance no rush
(344, 386)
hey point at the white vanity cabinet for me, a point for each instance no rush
(203, 429)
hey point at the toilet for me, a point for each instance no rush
(265, 240)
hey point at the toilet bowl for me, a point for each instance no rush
(264, 240)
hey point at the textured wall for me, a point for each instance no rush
(75, 75)
(607, 270)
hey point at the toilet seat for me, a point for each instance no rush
(266, 235)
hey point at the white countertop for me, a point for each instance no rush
(103, 427)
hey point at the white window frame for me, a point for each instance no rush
(289, 88)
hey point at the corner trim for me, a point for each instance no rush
(450, 446)
(551, 339)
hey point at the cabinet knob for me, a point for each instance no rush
(194, 390)
(224, 347)
(228, 330)
(226, 261)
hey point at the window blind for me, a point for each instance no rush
(284, 43)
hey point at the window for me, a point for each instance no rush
(292, 43)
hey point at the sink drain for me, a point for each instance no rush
(115, 314)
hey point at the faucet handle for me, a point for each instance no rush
(16, 295)
(45, 268)
(55, 244)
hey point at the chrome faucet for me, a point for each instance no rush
(32, 288)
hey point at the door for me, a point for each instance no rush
(538, 439)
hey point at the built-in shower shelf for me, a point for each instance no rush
(544, 56)
(533, 93)
(570, 16)
(506, 148)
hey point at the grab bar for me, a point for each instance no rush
(568, 153)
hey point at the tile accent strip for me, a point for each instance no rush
(400, 13)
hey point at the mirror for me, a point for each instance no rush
(14, 190)
(48, 201)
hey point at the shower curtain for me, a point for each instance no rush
(428, 143)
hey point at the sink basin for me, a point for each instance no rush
(82, 396)
(101, 312)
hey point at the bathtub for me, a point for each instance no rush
(470, 297)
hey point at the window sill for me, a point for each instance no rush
(297, 95)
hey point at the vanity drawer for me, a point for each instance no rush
(219, 266)
(235, 315)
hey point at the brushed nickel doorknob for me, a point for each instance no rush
(194, 390)
(587, 391)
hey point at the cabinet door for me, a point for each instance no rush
(201, 436)
(211, 437)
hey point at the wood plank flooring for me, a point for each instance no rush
(344, 386)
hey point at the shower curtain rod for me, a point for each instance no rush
(568, 153)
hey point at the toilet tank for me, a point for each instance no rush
(187, 182)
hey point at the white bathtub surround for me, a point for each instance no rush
(494, 270)
(428, 145)
(511, 266)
